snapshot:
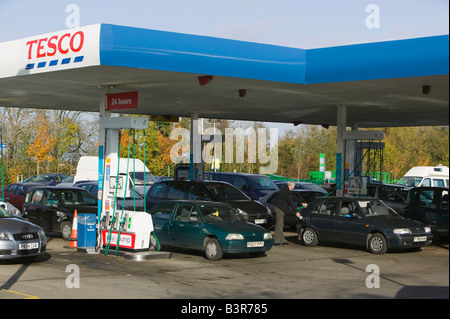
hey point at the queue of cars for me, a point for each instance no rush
(242, 224)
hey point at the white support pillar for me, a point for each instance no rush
(196, 163)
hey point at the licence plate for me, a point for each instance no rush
(419, 239)
(260, 221)
(28, 246)
(255, 244)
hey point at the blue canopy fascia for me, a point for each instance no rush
(169, 51)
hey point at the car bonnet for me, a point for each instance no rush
(15, 225)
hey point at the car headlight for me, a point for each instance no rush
(4, 236)
(428, 230)
(402, 231)
(42, 234)
(268, 236)
(234, 237)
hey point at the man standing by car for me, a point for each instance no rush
(283, 204)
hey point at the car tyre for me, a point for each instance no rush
(66, 230)
(309, 237)
(377, 243)
(212, 249)
(154, 242)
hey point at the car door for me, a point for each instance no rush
(323, 220)
(10, 194)
(34, 207)
(443, 213)
(425, 207)
(50, 212)
(184, 229)
(350, 226)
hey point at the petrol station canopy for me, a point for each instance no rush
(383, 84)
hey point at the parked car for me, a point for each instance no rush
(393, 195)
(303, 185)
(211, 191)
(19, 238)
(363, 222)
(429, 205)
(214, 228)
(15, 193)
(53, 207)
(303, 196)
(254, 186)
(49, 179)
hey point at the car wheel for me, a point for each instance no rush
(66, 230)
(309, 237)
(377, 244)
(155, 242)
(212, 249)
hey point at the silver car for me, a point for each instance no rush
(19, 238)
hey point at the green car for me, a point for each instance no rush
(215, 228)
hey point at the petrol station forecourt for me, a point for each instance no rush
(386, 84)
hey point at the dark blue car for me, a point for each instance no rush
(363, 222)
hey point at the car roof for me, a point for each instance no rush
(191, 201)
(193, 182)
(348, 198)
(58, 187)
(431, 188)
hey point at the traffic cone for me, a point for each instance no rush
(74, 233)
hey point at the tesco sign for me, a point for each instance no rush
(49, 46)
(54, 51)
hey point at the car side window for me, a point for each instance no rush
(176, 191)
(36, 197)
(183, 212)
(196, 193)
(426, 199)
(241, 183)
(371, 191)
(347, 209)
(158, 190)
(20, 190)
(438, 182)
(445, 201)
(324, 208)
(426, 182)
(50, 198)
(11, 189)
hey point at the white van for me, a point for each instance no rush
(426, 176)
(87, 170)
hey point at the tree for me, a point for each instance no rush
(42, 145)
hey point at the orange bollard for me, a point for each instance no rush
(74, 233)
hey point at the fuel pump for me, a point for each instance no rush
(123, 229)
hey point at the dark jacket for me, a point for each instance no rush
(284, 200)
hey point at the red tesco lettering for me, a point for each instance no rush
(49, 46)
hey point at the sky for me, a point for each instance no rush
(293, 23)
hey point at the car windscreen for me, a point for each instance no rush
(76, 197)
(374, 208)
(43, 178)
(225, 192)
(4, 213)
(410, 181)
(139, 179)
(219, 213)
